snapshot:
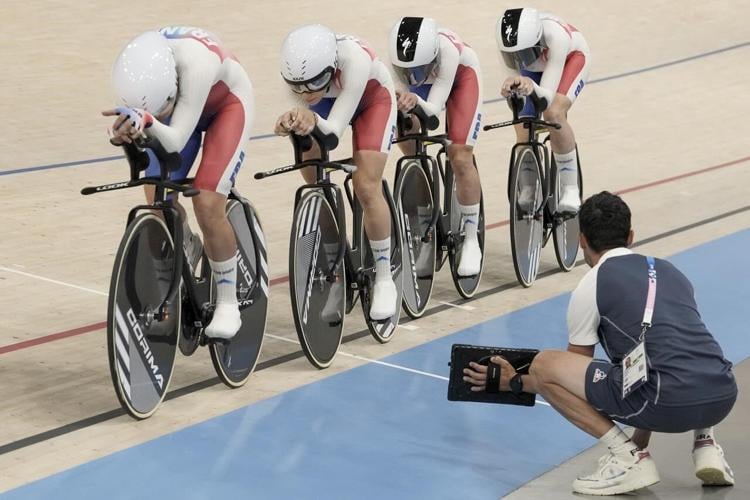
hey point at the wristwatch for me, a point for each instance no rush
(516, 384)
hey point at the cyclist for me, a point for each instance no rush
(440, 71)
(552, 58)
(339, 81)
(176, 85)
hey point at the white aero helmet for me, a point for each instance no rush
(308, 58)
(144, 75)
(414, 48)
(519, 37)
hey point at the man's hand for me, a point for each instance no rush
(519, 85)
(476, 374)
(406, 101)
(129, 124)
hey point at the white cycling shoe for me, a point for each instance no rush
(225, 323)
(384, 297)
(710, 465)
(570, 201)
(471, 258)
(617, 474)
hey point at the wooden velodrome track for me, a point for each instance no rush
(662, 121)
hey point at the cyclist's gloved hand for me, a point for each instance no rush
(303, 121)
(406, 101)
(129, 124)
(519, 85)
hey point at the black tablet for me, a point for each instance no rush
(462, 354)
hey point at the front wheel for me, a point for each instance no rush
(382, 330)
(235, 360)
(414, 202)
(526, 216)
(141, 340)
(317, 278)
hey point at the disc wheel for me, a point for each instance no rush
(414, 201)
(566, 229)
(466, 286)
(141, 347)
(318, 296)
(526, 217)
(382, 330)
(234, 361)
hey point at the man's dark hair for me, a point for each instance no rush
(605, 221)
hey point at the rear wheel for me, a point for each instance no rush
(318, 296)
(526, 216)
(141, 347)
(566, 229)
(465, 285)
(235, 360)
(382, 330)
(414, 202)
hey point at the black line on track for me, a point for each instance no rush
(189, 389)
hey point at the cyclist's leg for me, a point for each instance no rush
(563, 140)
(373, 130)
(223, 155)
(464, 119)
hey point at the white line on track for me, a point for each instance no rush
(276, 337)
(50, 280)
(383, 363)
(457, 306)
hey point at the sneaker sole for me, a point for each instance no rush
(712, 476)
(619, 489)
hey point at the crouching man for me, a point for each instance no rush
(666, 372)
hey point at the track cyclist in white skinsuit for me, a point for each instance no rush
(181, 85)
(441, 71)
(553, 59)
(340, 81)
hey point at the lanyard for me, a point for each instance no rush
(648, 311)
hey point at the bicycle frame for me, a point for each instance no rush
(433, 167)
(197, 291)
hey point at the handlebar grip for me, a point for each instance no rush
(326, 141)
(431, 121)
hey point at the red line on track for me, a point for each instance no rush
(283, 279)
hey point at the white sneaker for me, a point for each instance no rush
(710, 465)
(618, 474)
(193, 249)
(471, 258)
(331, 312)
(570, 201)
(384, 296)
(226, 322)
